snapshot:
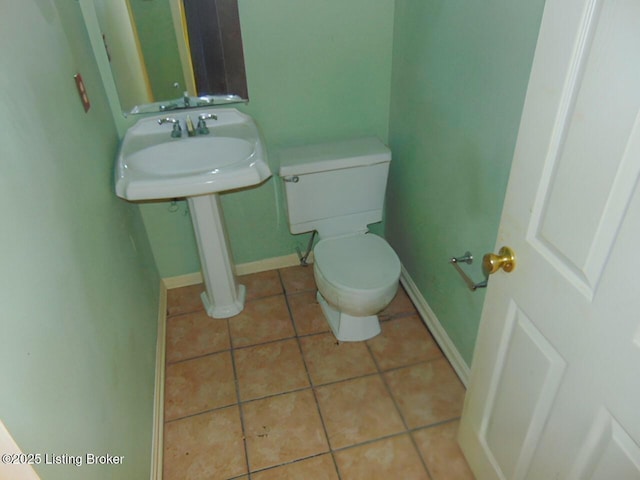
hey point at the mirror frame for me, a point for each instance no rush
(92, 25)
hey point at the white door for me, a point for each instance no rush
(555, 383)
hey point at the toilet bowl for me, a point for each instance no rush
(338, 190)
(357, 277)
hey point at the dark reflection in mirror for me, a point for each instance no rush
(216, 47)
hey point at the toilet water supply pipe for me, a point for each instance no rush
(303, 258)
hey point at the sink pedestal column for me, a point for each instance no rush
(224, 297)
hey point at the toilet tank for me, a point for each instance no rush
(335, 188)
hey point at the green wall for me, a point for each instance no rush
(460, 72)
(442, 82)
(78, 289)
(160, 51)
(316, 71)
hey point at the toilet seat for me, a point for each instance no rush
(358, 274)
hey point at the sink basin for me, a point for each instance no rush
(204, 155)
(152, 165)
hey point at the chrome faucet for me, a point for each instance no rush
(176, 132)
(202, 128)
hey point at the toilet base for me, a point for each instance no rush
(348, 328)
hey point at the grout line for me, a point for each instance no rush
(313, 390)
(372, 440)
(274, 395)
(203, 412)
(395, 316)
(344, 380)
(398, 409)
(267, 342)
(197, 357)
(188, 312)
(291, 462)
(436, 424)
(388, 389)
(296, 335)
(240, 409)
(413, 364)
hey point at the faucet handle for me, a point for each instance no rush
(202, 124)
(177, 129)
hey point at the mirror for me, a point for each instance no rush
(170, 54)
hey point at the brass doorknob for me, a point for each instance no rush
(505, 259)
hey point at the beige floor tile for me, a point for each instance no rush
(282, 429)
(400, 305)
(195, 334)
(330, 361)
(262, 320)
(391, 458)
(440, 451)
(403, 341)
(262, 284)
(197, 385)
(307, 313)
(358, 410)
(316, 468)
(269, 369)
(185, 299)
(298, 279)
(426, 393)
(205, 446)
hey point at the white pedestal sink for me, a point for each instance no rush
(153, 165)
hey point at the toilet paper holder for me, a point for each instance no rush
(468, 259)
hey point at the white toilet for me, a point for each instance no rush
(338, 189)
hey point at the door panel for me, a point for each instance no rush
(527, 377)
(596, 123)
(607, 452)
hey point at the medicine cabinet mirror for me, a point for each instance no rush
(169, 54)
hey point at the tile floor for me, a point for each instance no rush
(270, 394)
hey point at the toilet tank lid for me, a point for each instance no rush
(332, 156)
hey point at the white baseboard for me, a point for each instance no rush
(435, 327)
(270, 264)
(241, 269)
(157, 447)
(182, 280)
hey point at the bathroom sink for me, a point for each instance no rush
(153, 165)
